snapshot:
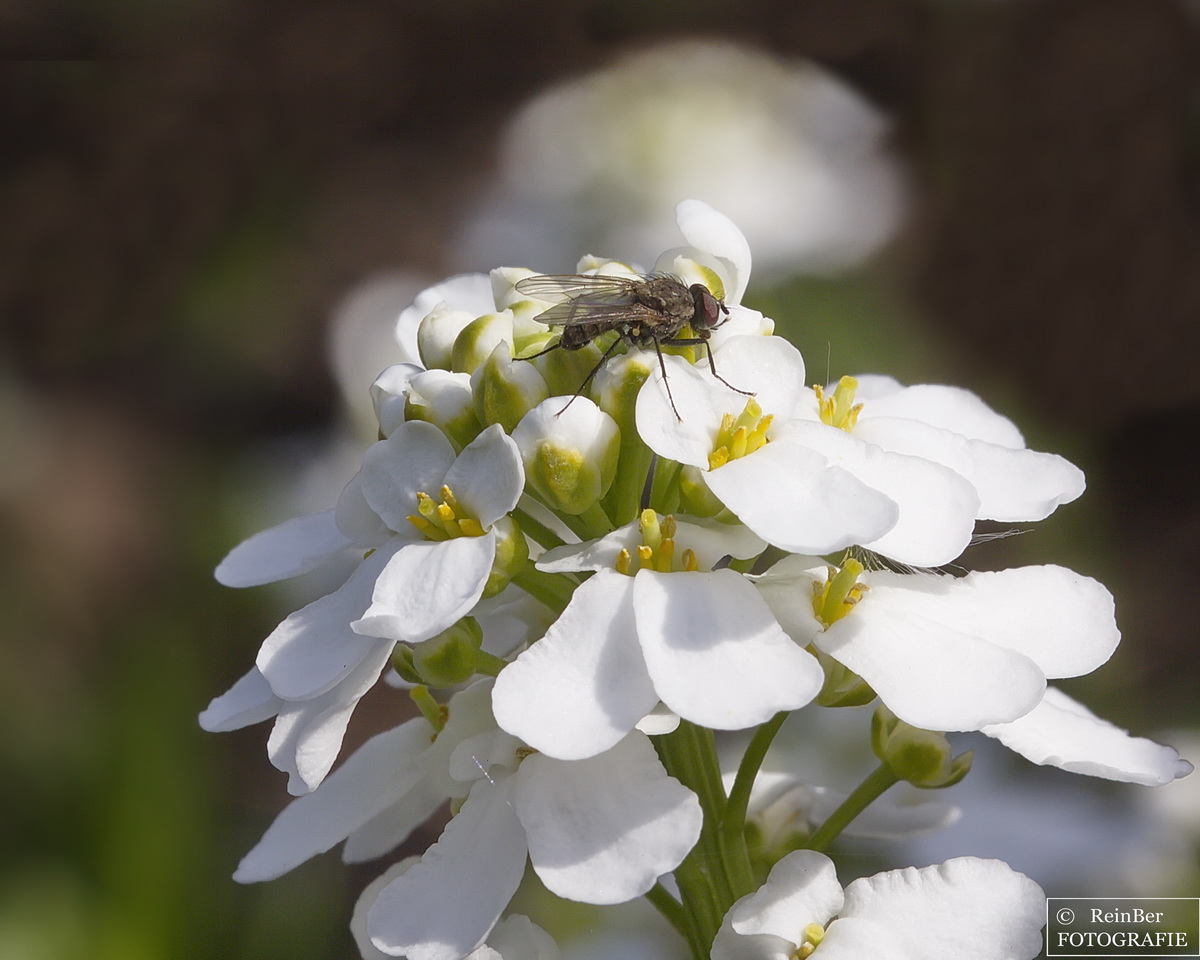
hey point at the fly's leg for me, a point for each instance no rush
(666, 383)
(712, 365)
(588, 379)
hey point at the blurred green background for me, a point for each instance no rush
(194, 196)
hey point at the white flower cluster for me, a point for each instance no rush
(598, 578)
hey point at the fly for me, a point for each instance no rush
(646, 310)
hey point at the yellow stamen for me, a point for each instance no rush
(624, 560)
(470, 527)
(839, 410)
(666, 556)
(689, 560)
(645, 554)
(840, 593)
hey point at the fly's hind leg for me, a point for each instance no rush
(695, 342)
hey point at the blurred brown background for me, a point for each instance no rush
(187, 194)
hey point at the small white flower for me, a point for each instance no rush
(1061, 732)
(320, 661)
(947, 653)
(667, 628)
(949, 426)
(967, 907)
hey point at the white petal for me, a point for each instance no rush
(982, 909)
(658, 721)
(1062, 732)
(470, 292)
(427, 586)
(949, 408)
(715, 234)
(770, 367)
(443, 907)
(356, 520)
(802, 888)
(470, 714)
(1013, 484)
(307, 734)
(366, 900)
(387, 830)
(582, 687)
(413, 459)
(930, 675)
(314, 648)
(519, 938)
(487, 477)
(290, 549)
(1063, 621)
(714, 651)
(701, 401)
(374, 777)
(788, 589)
(792, 497)
(388, 393)
(729, 945)
(248, 701)
(603, 830)
(937, 507)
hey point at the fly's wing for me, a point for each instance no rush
(583, 299)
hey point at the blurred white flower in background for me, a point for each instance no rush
(787, 151)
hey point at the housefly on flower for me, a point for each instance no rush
(641, 310)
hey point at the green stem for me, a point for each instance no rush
(534, 528)
(624, 497)
(733, 823)
(689, 755)
(863, 796)
(664, 494)
(553, 589)
(676, 916)
(596, 522)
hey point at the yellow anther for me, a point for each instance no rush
(665, 557)
(668, 526)
(758, 436)
(470, 527)
(725, 431)
(645, 554)
(624, 561)
(718, 458)
(688, 560)
(445, 513)
(839, 594)
(839, 410)
(448, 498)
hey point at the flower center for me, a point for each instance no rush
(657, 549)
(813, 934)
(839, 410)
(840, 592)
(445, 520)
(741, 435)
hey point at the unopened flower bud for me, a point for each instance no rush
(512, 551)
(616, 385)
(389, 395)
(449, 657)
(566, 370)
(479, 338)
(570, 449)
(444, 399)
(505, 390)
(436, 335)
(922, 757)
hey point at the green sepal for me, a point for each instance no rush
(512, 553)
(924, 758)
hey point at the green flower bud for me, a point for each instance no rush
(389, 396)
(504, 282)
(402, 663)
(436, 335)
(565, 370)
(444, 399)
(843, 687)
(512, 552)
(448, 658)
(616, 386)
(570, 451)
(505, 390)
(922, 757)
(479, 338)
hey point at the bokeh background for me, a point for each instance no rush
(210, 213)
